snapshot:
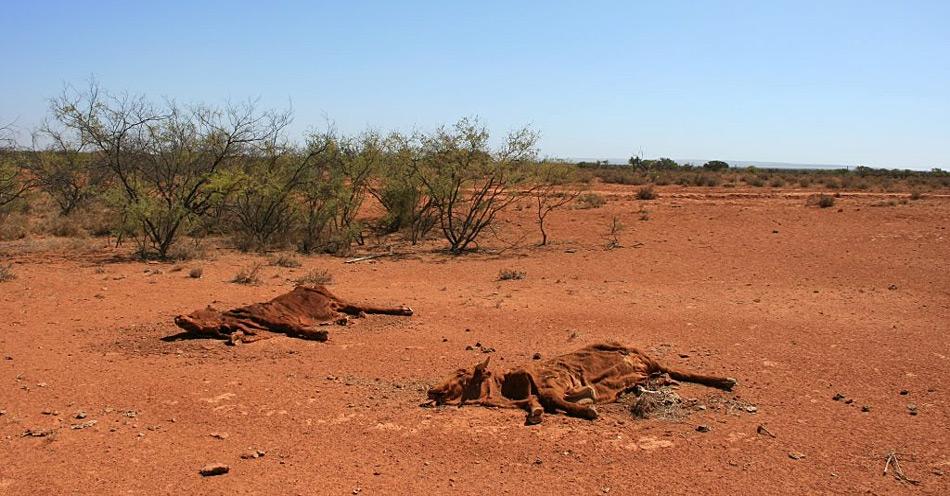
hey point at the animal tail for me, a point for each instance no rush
(724, 383)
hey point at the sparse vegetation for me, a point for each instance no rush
(249, 275)
(613, 233)
(6, 273)
(549, 193)
(646, 193)
(916, 195)
(315, 277)
(821, 201)
(286, 261)
(511, 275)
(590, 200)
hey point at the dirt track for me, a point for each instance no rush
(797, 303)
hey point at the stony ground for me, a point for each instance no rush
(835, 322)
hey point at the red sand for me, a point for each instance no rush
(794, 302)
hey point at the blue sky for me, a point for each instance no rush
(862, 82)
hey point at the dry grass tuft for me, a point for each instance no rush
(6, 273)
(511, 275)
(315, 278)
(249, 275)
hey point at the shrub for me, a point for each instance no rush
(170, 163)
(249, 275)
(511, 275)
(468, 182)
(613, 233)
(6, 273)
(285, 260)
(821, 200)
(646, 193)
(916, 195)
(315, 278)
(777, 182)
(590, 200)
(196, 273)
(716, 165)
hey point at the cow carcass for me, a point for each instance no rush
(300, 313)
(572, 383)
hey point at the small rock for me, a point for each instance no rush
(937, 471)
(892, 287)
(219, 435)
(774, 231)
(84, 425)
(865, 408)
(253, 454)
(904, 392)
(684, 355)
(37, 433)
(761, 429)
(488, 349)
(848, 401)
(536, 356)
(912, 409)
(702, 428)
(751, 409)
(794, 455)
(469, 348)
(214, 469)
(80, 415)
(837, 397)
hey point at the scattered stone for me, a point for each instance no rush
(536, 356)
(703, 428)
(538, 461)
(837, 397)
(904, 392)
(219, 435)
(762, 430)
(38, 433)
(488, 349)
(865, 408)
(214, 469)
(469, 348)
(751, 409)
(774, 231)
(912, 408)
(794, 455)
(892, 287)
(80, 415)
(848, 401)
(131, 414)
(253, 454)
(84, 425)
(684, 355)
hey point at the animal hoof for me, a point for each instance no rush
(534, 417)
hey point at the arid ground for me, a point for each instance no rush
(800, 304)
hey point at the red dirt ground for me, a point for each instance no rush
(797, 303)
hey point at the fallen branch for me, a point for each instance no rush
(367, 257)
(892, 460)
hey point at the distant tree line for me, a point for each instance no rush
(165, 171)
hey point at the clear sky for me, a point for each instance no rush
(830, 82)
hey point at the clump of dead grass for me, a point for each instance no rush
(511, 275)
(6, 273)
(249, 275)
(657, 398)
(315, 277)
(285, 260)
